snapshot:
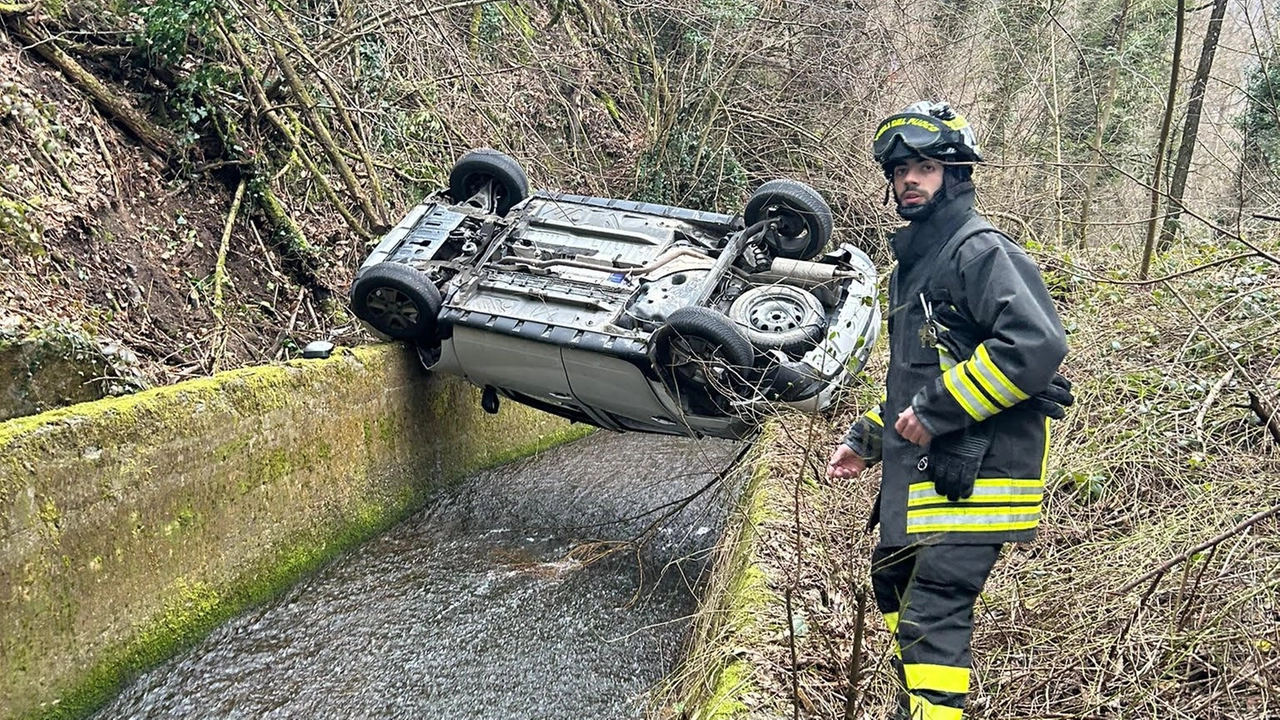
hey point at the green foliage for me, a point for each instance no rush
(170, 33)
(678, 36)
(492, 25)
(169, 26)
(17, 223)
(1261, 119)
(685, 171)
(730, 13)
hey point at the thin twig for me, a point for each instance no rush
(1240, 527)
(1213, 395)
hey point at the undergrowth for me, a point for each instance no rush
(1112, 612)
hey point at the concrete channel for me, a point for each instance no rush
(136, 531)
(130, 526)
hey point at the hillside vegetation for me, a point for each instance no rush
(188, 185)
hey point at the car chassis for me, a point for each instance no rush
(626, 315)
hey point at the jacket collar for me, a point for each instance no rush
(923, 238)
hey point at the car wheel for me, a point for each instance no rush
(701, 347)
(804, 218)
(780, 317)
(479, 167)
(398, 301)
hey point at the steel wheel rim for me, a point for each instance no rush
(776, 314)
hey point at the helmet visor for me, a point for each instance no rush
(914, 130)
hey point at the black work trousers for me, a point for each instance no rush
(926, 594)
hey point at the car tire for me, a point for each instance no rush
(805, 222)
(780, 317)
(397, 301)
(480, 166)
(701, 346)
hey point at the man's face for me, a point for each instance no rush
(917, 180)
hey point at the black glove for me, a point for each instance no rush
(1053, 400)
(954, 460)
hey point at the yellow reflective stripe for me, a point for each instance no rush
(1003, 500)
(964, 528)
(990, 383)
(985, 490)
(948, 379)
(988, 409)
(939, 678)
(922, 709)
(967, 377)
(984, 357)
(874, 416)
(954, 518)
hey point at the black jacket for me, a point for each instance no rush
(961, 281)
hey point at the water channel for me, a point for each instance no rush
(474, 607)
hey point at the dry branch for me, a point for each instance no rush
(259, 95)
(379, 200)
(220, 277)
(156, 138)
(393, 15)
(1266, 414)
(317, 124)
(1212, 542)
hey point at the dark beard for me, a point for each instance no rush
(920, 213)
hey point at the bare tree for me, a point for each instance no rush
(1191, 126)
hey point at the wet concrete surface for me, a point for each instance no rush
(479, 606)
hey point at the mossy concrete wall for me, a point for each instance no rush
(131, 526)
(716, 675)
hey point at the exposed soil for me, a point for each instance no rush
(105, 239)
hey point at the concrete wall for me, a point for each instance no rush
(736, 612)
(131, 526)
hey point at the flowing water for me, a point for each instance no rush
(474, 607)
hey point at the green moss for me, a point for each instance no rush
(192, 607)
(183, 410)
(49, 516)
(610, 105)
(733, 610)
(725, 700)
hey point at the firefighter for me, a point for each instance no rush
(963, 431)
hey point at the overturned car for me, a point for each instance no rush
(626, 315)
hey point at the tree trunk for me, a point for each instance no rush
(1105, 106)
(157, 139)
(1195, 103)
(1157, 175)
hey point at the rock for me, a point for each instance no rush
(54, 367)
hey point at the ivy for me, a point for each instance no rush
(168, 27)
(685, 171)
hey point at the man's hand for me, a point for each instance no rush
(845, 463)
(911, 429)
